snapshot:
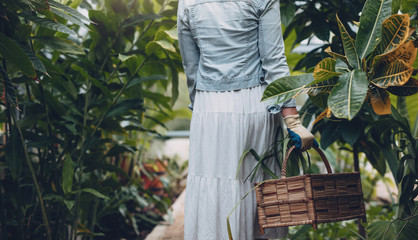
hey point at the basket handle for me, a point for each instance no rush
(289, 151)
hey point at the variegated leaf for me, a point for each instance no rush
(370, 28)
(410, 54)
(287, 87)
(407, 52)
(408, 89)
(347, 97)
(320, 87)
(395, 31)
(380, 101)
(349, 46)
(325, 69)
(394, 74)
(336, 55)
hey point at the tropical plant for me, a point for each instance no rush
(377, 62)
(394, 132)
(79, 93)
(342, 84)
(309, 19)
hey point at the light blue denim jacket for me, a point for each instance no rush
(231, 44)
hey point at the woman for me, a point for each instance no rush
(231, 49)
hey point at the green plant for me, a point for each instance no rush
(395, 132)
(80, 92)
(308, 19)
(378, 61)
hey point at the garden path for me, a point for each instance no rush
(174, 230)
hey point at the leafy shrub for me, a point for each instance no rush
(78, 93)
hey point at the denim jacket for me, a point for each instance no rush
(231, 44)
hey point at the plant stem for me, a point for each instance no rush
(48, 120)
(83, 150)
(407, 221)
(83, 140)
(355, 158)
(400, 219)
(94, 218)
(361, 229)
(35, 181)
(117, 97)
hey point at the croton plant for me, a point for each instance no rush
(377, 62)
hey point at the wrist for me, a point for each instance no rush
(292, 121)
(289, 111)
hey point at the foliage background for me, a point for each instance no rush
(82, 97)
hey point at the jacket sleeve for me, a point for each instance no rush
(189, 51)
(271, 47)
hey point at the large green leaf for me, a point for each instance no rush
(349, 46)
(407, 89)
(369, 33)
(347, 97)
(15, 55)
(325, 69)
(287, 87)
(60, 45)
(394, 74)
(395, 31)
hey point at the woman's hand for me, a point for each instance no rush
(301, 137)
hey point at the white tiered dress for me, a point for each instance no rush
(223, 126)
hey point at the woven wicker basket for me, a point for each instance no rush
(310, 198)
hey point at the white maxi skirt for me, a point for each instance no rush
(223, 126)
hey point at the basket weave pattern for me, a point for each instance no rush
(310, 198)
